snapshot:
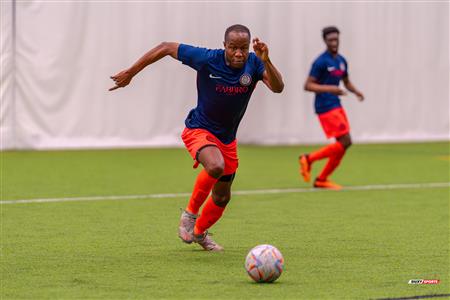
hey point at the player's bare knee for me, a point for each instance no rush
(221, 199)
(348, 144)
(215, 169)
(345, 141)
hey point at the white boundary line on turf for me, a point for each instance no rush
(245, 192)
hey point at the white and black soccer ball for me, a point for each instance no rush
(264, 263)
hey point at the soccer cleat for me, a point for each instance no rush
(207, 242)
(305, 167)
(326, 184)
(186, 226)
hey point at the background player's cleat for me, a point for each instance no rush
(326, 184)
(305, 167)
(207, 242)
(186, 226)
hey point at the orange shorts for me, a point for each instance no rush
(334, 122)
(196, 139)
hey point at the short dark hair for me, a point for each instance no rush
(330, 29)
(236, 28)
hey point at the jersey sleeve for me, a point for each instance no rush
(316, 69)
(195, 57)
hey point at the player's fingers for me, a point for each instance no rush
(258, 45)
(113, 88)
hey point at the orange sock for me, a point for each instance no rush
(326, 151)
(202, 187)
(332, 163)
(211, 213)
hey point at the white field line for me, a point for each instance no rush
(380, 187)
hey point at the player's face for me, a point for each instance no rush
(332, 42)
(236, 49)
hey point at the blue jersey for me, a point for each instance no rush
(223, 92)
(328, 70)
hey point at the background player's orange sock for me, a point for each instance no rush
(211, 213)
(332, 163)
(202, 187)
(326, 151)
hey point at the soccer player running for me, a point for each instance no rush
(326, 73)
(226, 79)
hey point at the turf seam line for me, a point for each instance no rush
(380, 187)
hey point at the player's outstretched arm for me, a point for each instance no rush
(271, 77)
(349, 86)
(124, 77)
(311, 85)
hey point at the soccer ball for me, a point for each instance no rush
(264, 263)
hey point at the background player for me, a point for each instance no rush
(324, 78)
(226, 79)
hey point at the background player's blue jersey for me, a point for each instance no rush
(328, 70)
(223, 92)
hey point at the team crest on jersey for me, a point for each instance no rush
(342, 66)
(245, 79)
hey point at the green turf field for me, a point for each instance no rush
(351, 244)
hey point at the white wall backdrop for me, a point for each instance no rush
(54, 86)
(6, 76)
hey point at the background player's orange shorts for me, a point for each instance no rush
(196, 139)
(334, 122)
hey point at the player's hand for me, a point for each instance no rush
(360, 96)
(337, 91)
(121, 79)
(261, 49)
